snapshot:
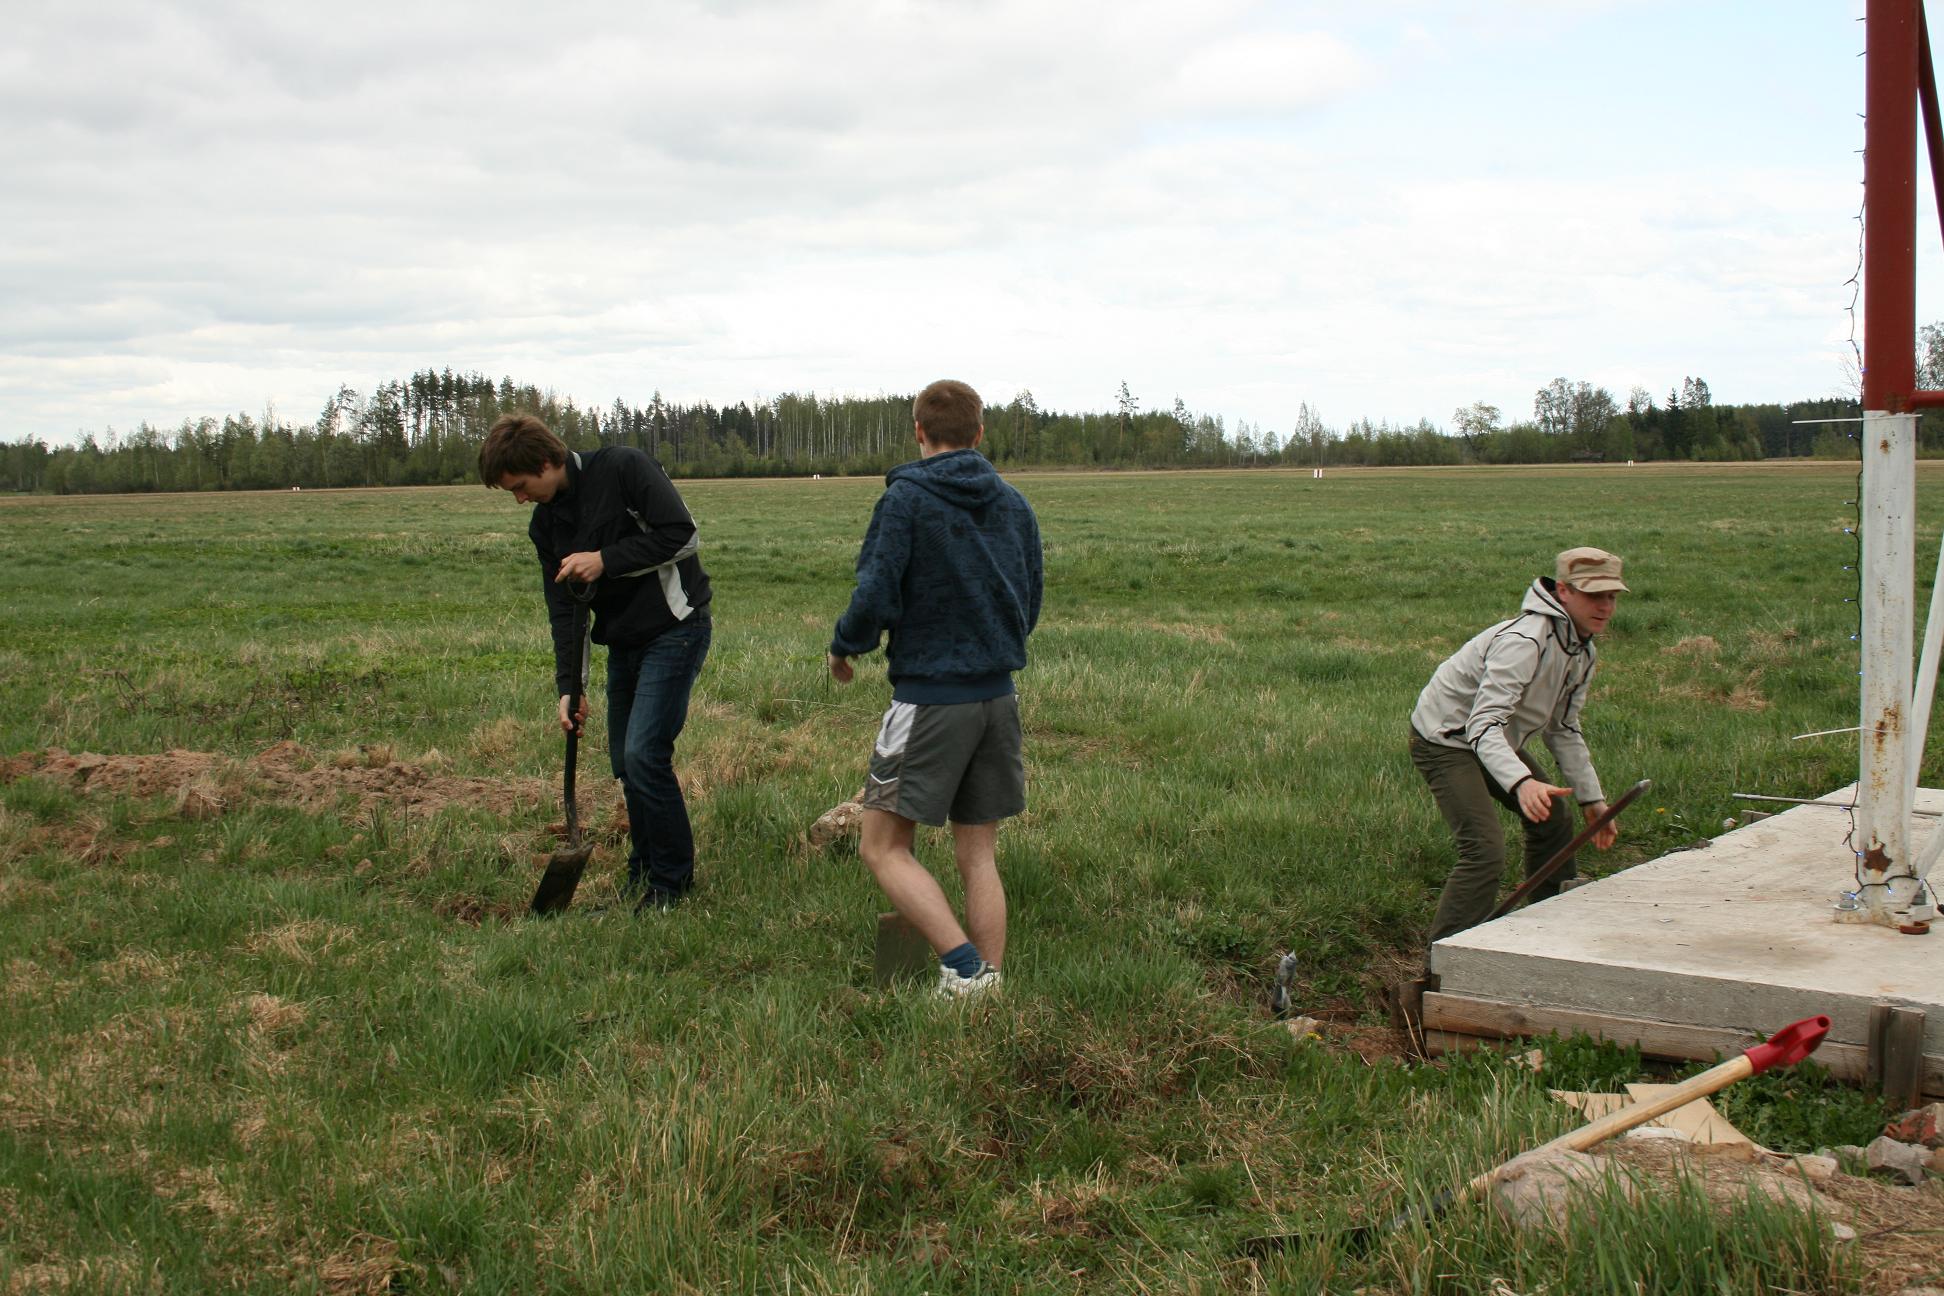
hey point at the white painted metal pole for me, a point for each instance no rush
(1884, 787)
(1920, 709)
(1927, 857)
(1920, 701)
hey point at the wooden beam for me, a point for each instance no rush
(1896, 1053)
(1453, 1022)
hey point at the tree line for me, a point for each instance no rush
(426, 430)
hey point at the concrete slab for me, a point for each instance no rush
(1733, 937)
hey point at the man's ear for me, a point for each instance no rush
(977, 437)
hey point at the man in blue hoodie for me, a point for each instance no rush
(951, 568)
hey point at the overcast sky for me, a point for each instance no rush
(1388, 209)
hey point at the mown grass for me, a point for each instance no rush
(281, 1049)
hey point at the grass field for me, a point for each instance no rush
(271, 1024)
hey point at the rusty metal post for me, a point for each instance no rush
(1884, 866)
(1890, 206)
(1884, 789)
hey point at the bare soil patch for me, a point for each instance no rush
(1693, 646)
(205, 784)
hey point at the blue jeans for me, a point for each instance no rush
(648, 696)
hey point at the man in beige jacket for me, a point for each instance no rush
(1468, 732)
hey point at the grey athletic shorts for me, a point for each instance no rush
(957, 760)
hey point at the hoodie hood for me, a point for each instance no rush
(962, 478)
(1541, 599)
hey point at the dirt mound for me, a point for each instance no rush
(205, 783)
(143, 776)
(845, 819)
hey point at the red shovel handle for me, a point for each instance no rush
(1789, 1045)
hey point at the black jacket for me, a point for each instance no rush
(619, 501)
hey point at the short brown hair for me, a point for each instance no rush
(519, 444)
(950, 412)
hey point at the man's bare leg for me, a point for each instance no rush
(912, 890)
(975, 847)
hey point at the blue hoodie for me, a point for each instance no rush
(951, 567)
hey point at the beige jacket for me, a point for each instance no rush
(1520, 677)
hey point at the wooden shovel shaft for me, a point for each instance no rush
(1786, 1047)
(565, 866)
(573, 734)
(1586, 1136)
(567, 788)
(1566, 852)
(1619, 1122)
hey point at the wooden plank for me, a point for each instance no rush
(1451, 1020)
(1438, 1042)
(1494, 1018)
(1904, 1060)
(1896, 1062)
(1878, 1028)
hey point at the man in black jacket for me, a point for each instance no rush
(612, 531)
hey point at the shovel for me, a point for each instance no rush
(565, 865)
(1786, 1047)
(1551, 867)
(902, 953)
(1407, 1000)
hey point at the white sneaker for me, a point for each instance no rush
(953, 986)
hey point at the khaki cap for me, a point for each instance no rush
(1589, 570)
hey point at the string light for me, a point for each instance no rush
(1855, 285)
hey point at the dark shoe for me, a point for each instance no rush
(656, 902)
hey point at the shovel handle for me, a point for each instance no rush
(1566, 852)
(573, 716)
(1789, 1045)
(567, 789)
(1619, 1122)
(1786, 1047)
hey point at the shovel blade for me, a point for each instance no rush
(557, 884)
(1352, 1241)
(901, 951)
(1358, 1238)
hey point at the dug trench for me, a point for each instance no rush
(365, 783)
(205, 784)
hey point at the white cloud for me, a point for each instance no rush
(1279, 72)
(1385, 210)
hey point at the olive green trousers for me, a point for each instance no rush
(1466, 795)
